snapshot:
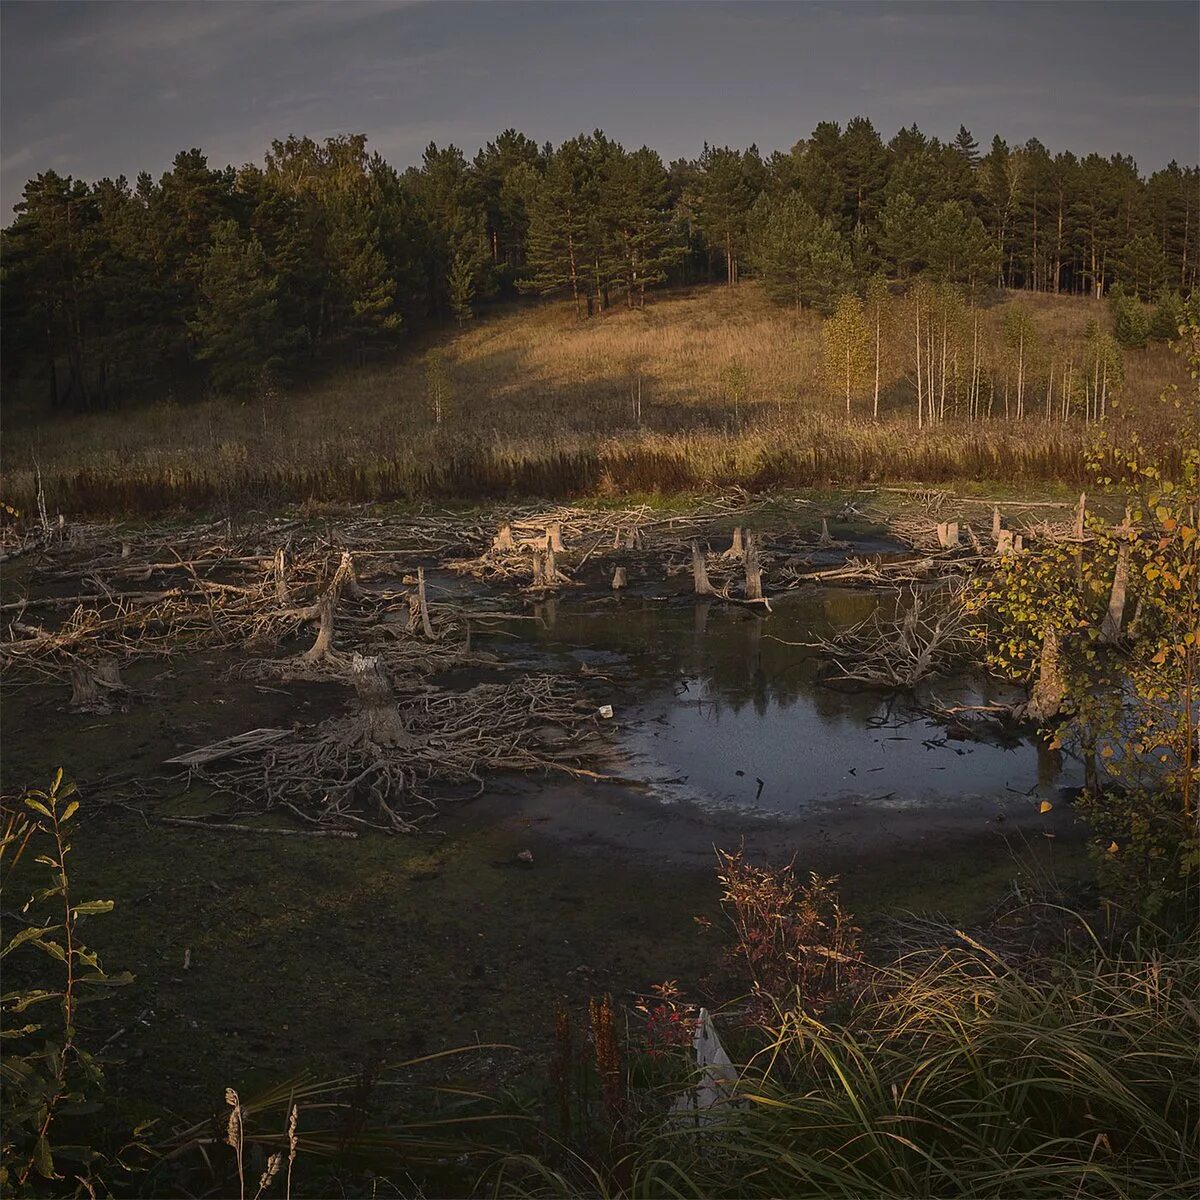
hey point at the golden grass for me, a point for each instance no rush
(541, 403)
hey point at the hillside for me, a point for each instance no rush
(706, 387)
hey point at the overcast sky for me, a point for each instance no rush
(97, 88)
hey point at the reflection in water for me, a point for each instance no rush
(727, 699)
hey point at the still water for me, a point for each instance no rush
(715, 707)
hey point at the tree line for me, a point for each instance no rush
(239, 279)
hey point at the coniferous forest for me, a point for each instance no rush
(228, 280)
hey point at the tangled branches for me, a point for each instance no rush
(374, 766)
(927, 636)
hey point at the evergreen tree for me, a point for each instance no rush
(967, 146)
(236, 323)
(1131, 323)
(798, 257)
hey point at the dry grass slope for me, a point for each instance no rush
(701, 389)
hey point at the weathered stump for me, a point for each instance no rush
(503, 542)
(737, 547)
(345, 579)
(700, 583)
(92, 684)
(382, 723)
(283, 596)
(824, 539)
(620, 579)
(1050, 688)
(996, 526)
(323, 645)
(1004, 543)
(554, 540)
(1080, 514)
(947, 532)
(418, 609)
(1110, 627)
(754, 589)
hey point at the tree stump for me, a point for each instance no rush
(92, 685)
(1080, 514)
(554, 540)
(700, 583)
(283, 597)
(382, 722)
(947, 532)
(345, 579)
(619, 579)
(1004, 543)
(1110, 627)
(503, 542)
(1050, 688)
(754, 589)
(323, 645)
(824, 539)
(737, 547)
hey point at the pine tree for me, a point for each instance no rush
(967, 146)
(236, 322)
(799, 258)
(462, 287)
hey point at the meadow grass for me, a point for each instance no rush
(541, 404)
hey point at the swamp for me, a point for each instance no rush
(371, 783)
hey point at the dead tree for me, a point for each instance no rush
(619, 579)
(345, 579)
(382, 724)
(824, 539)
(503, 542)
(283, 596)
(754, 589)
(1110, 627)
(700, 583)
(1004, 543)
(996, 526)
(323, 646)
(1080, 514)
(1050, 688)
(418, 608)
(92, 685)
(554, 540)
(737, 547)
(947, 532)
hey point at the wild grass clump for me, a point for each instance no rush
(956, 1074)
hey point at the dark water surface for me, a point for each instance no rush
(715, 707)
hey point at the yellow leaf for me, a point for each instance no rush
(1045, 806)
(1113, 847)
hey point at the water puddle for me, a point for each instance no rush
(728, 715)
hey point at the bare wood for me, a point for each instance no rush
(280, 830)
(737, 547)
(753, 569)
(323, 644)
(1050, 689)
(423, 605)
(1110, 627)
(620, 579)
(240, 743)
(700, 583)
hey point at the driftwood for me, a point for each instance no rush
(241, 743)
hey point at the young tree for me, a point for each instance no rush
(878, 313)
(1021, 335)
(847, 341)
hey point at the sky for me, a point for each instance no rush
(97, 88)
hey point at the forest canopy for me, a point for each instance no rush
(237, 280)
